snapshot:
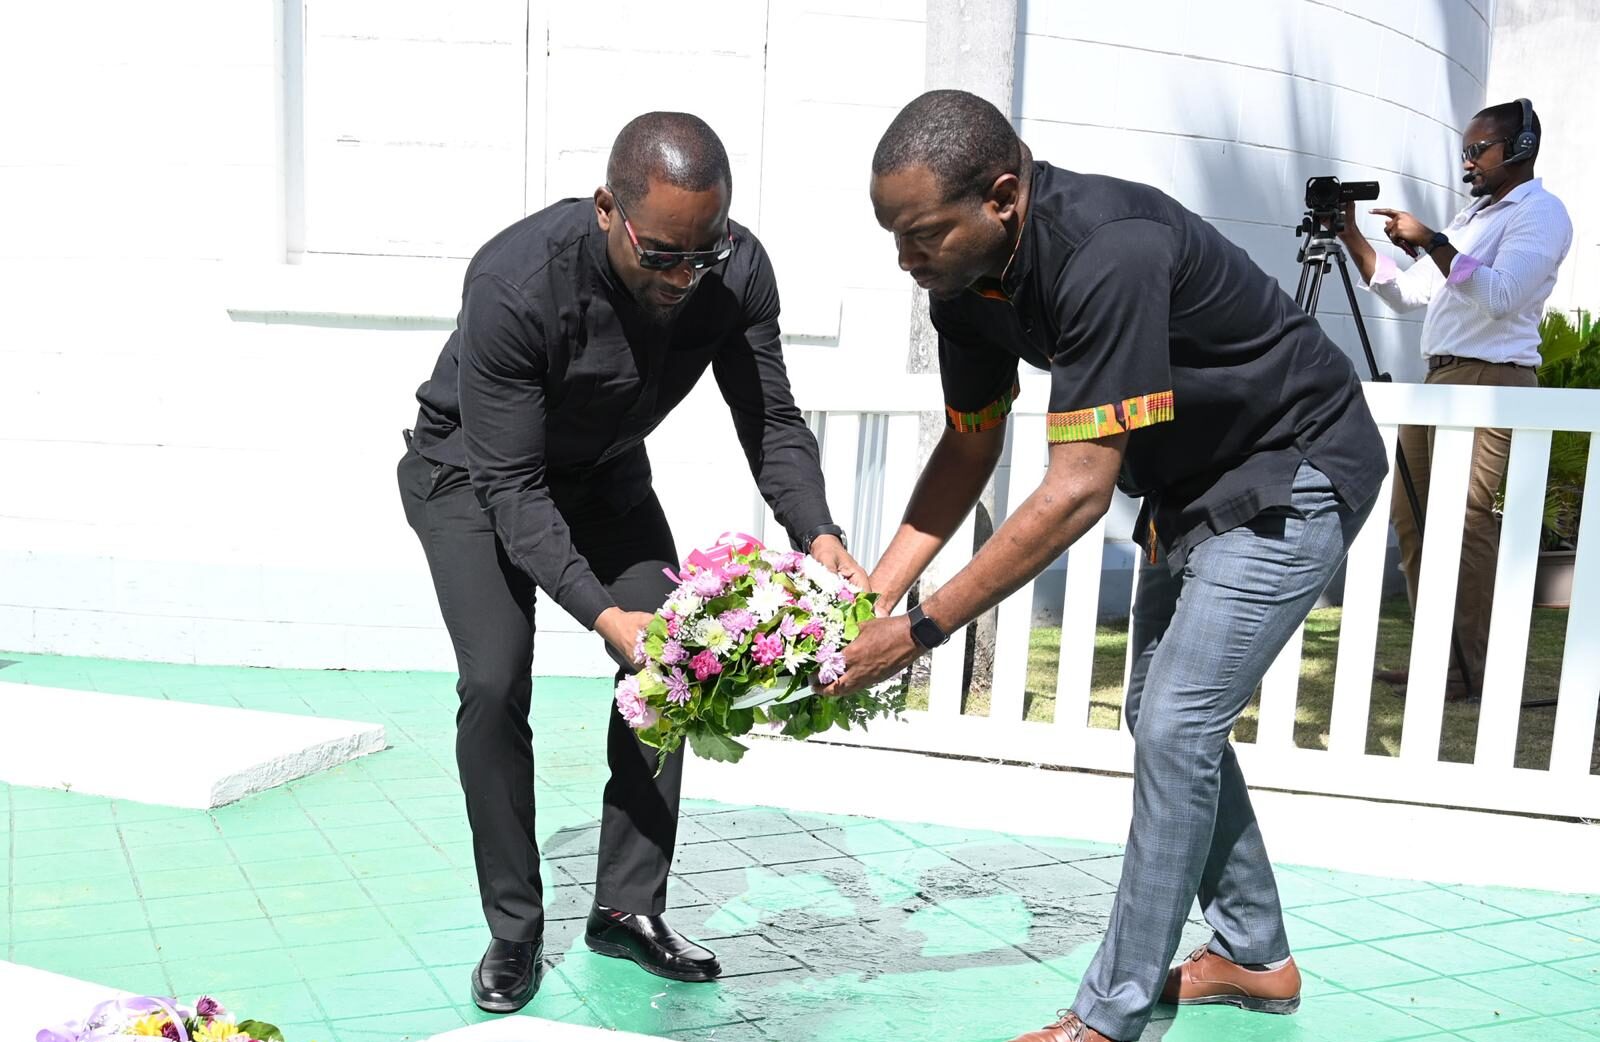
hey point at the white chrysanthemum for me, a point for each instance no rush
(686, 602)
(711, 635)
(766, 600)
(793, 659)
(833, 632)
(818, 573)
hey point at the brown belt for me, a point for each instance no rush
(1440, 361)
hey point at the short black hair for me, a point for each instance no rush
(675, 147)
(1507, 120)
(962, 138)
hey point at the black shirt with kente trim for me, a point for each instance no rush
(553, 378)
(1150, 321)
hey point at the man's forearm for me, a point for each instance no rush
(946, 492)
(1365, 257)
(1048, 522)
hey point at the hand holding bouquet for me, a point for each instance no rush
(738, 643)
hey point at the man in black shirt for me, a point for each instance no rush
(1180, 371)
(581, 327)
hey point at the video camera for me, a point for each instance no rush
(1326, 195)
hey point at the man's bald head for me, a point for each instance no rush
(671, 147)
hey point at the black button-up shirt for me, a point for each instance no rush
(553, 378)
(1151, 322)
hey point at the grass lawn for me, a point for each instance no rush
(1312, 709)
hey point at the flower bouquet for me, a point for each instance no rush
(737, 645)
(150, 1017)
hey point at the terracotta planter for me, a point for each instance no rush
(1552, 582)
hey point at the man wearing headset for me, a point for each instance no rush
(1484, 280)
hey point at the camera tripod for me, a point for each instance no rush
(1320, 251)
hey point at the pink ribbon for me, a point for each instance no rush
(716, 557)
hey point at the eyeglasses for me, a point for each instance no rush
(666, 260)
(1471, 153)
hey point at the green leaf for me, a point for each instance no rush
(262, 1032)
(740, 721)
(710, 744)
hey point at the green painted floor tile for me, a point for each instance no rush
(447, 914)
(180, 882)
(224, 972)
(308, 1031)
(1589, 1021)
(1449, 1004)
(1305, 935)
(406, 887)
(1445, 909)
(200, 909)
(87, 864)
(79, 958)
(175, 832)
(347, 924)
(375, 864)
(1585, 969)
(128, 812)
(1359, 1017)
(1528, 902)
(1450, 954)
(207, 854)
(182, 940)
(65, 842)
(400, 1027)
(1534, 941)
(327, 788)
(26, 799)
(1359, 885)
(1362, 920)
(84, 921)
(278, 846)
(1582, 924)
(85, 815)
(274, 1003)
(313, 897)
(1296, 889)
(351, 839)
(1356, 967)
(1546, 989)
(400, 791)
(1544, 1030)
(463, 945)
(378, 994)
(1216, 1023)
(327, 868)
(375, 955)
(29, 897)
(333, 817)
(147, 979)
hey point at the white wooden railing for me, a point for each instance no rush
(869, 434)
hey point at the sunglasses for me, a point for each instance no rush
(666, 260)
(1471, 153)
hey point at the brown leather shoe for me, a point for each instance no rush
(1206, 978)
(1399, 677)
(1068, 1029)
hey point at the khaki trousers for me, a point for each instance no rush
(1480, 540)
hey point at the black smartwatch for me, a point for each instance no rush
(1439, 239)
(924, 630)
(821, 530)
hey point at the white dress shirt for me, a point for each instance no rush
(1505, 269)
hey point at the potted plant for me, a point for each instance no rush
(1571, 358)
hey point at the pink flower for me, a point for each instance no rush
(830, 662)
(705, 665)
(767, 648)
(672, 653)
(633, 707)
(789, 627)
(677, 687)
(790, 562)
(707, 583)
(814, 628)
(736, 570)
(846, 594)
(805, 604)
(737, 622)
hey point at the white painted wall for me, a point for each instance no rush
(182, 483)
(1542, 49)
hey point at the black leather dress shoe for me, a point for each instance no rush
(650, 942)
(508, 975)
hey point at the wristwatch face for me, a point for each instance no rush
(928, 633)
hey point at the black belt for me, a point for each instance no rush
(1440, 361)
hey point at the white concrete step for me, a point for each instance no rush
(37, 999)
(152, 750)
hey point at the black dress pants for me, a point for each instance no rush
(488, 607)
